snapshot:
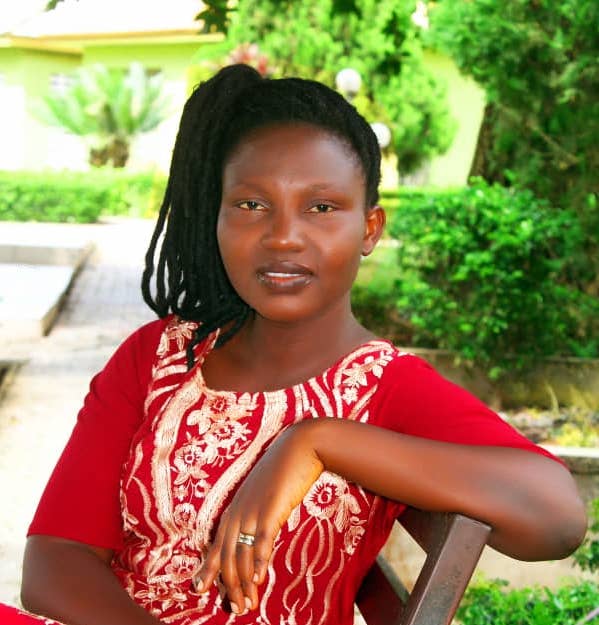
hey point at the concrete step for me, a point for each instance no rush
(36, 272)
(30, 299)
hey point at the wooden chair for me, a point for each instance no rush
(453, 544)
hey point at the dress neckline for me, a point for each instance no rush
(211, 340)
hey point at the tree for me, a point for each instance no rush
(537, 61)
(317, 39)
(216, 14)
(108, 108)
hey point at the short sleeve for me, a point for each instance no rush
(414, 399)
(81, 500)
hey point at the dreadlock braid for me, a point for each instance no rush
(190, 278)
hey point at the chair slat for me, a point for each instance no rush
(453, 544)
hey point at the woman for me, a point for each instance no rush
(243, 458)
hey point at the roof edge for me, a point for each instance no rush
(38, 43)
(75, 44)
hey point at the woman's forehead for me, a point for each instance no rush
(282, 138)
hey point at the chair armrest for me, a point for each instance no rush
(453, 544)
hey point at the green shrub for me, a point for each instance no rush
(42, 197)
(373, 298)
(490, 603)
(78, 197)
(481, 275)
(587, 555)
(134, 194)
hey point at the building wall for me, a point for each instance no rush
(12, 120)
(466, 102)
(26, 142)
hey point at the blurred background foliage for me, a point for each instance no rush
(538, 64)
(379, 40)
(505, 271)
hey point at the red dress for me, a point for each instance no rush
(179, 450)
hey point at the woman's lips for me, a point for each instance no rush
(284, 277)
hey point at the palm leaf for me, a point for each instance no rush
(103, 104)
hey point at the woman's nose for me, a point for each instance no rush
(283, 231)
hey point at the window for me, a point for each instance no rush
(60, 83)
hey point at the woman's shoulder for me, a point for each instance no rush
(397, 361)
(155, 337)
(143, 341)
(371, 370)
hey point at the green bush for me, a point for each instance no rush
(490, 603)
(481, 275)
(134, 194)
(78, 197)
(537, 62)
(373, 299)
(587, 555)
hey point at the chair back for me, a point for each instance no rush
(453, 544)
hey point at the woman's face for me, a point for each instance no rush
(293, 223)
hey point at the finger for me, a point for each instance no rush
(211, 566)
(244, 554)
(228, 568)
(263, 545)
(209, 570)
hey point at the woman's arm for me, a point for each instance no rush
(68, 579)
(530, 501)
(73, 583)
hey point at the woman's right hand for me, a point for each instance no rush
(261, 506)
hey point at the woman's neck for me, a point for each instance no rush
(266, 355)
(286, 344)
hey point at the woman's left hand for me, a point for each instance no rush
(263, 503)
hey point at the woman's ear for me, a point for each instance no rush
(375, 224)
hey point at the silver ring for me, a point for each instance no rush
(246, 539)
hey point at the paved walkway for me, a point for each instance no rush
(41, 404)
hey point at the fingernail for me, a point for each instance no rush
(248, 603)
(198, 582)
(234, 608)
(255, 578)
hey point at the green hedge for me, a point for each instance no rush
(491, 603)
(483, 271)
(393, 199)
(78, 197)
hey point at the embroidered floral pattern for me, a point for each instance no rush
(353, 535)
(177, 330)
(350, 395)
(330, 498)
(357, 375)
(159, 597)
(222, 408)
(201, 444)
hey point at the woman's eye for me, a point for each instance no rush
(250, 205)
(321, 208)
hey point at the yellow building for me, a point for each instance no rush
(41, 53)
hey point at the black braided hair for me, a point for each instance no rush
(189, 276)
